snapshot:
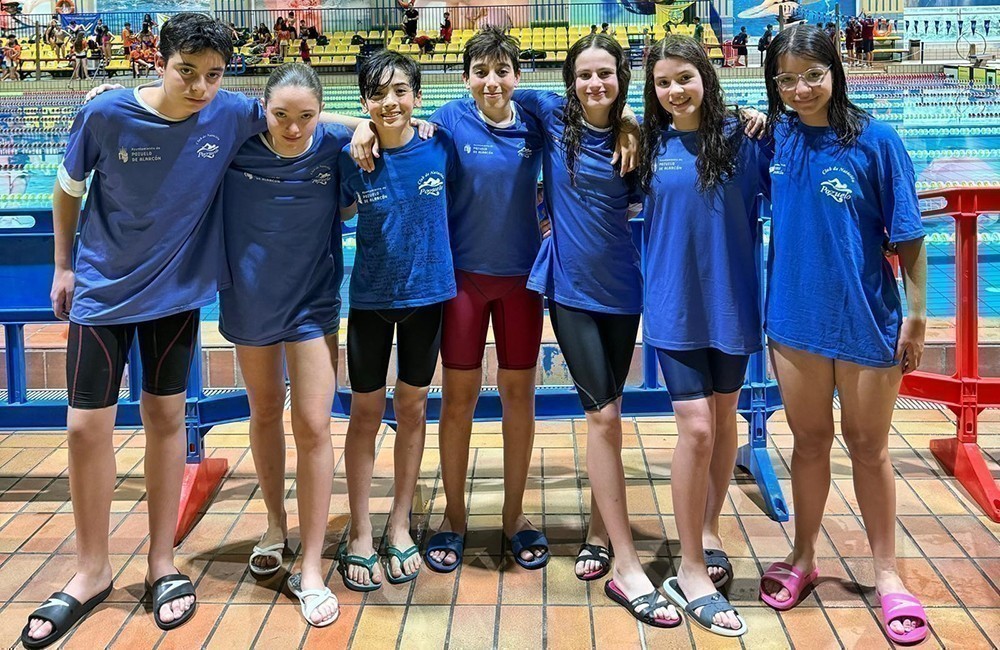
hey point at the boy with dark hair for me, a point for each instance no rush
(145, 264)
(403, 273)
(497, 165)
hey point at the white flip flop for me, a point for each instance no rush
(316, 598)
(274, 551)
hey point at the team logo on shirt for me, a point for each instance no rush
(123, 155)
(468, 148)
(835, 187)
(321, 175)
(836, 190)
(431, 184)
(777, 169)
(525, 151)
(208, 146)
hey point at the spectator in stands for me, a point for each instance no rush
(410, 17)
(146, 38)
(740, 43)
(138, 61)
(868, 38)
(290, 24)
(127, 37)
(284, 36)
(699, 33)
(307, 31)
(604, 28)
(593, 29)
(263, 34)
(357, 39)
(425, 43)
(304, 52)
(50, 30)
(12, 55)
(59, 42)
(446, 28)
(667, 29)
(104, 41)
(831, 31)
(764, 42)
(852, 33)
(80, 56)
(74, 28)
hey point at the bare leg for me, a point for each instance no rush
(92, 474)
(410, 403)
(265, 381)
(867, 397)
(607, 479)
(806, 381)
(166, 453)
(597, 534)
(367, 410)
(312, 368)
(689, 483)
(721, 471)
(459, 394)
(517, 394)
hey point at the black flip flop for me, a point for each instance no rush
(171, 587)
(63, 612)
(642, 607)
(717, 558)
(599, 554)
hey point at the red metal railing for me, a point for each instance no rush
(965, 392)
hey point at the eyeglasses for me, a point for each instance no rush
(813, 77)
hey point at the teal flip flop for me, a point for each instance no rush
(361, 561)
(401, 556)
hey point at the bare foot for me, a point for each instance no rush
(326, 611)
(446, 557)
(400, 538)
(591, 564)
(276, 533)
(172, 609)
(697, 584)
(804, 565)
(889, 582)
(637, 584)
(712, 541)
(517, 525)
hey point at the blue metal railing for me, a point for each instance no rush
(26, 273)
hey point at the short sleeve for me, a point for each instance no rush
(444, 116)
(347, 169)
(539, 103)
(82, 153)
(252, 117)
(898, 192)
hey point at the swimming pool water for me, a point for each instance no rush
(949, 129)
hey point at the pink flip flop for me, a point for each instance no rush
(791, 579)
(900, 606)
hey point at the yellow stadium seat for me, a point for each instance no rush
(372, 35)
(353, 49)
(451, 58)
(350, 60)
(437, 58)
(339, 35)
(560, 57)
(337, 60)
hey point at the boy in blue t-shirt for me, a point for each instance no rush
(145, 263)
(403, 273)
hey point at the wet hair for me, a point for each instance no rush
(377, 70)
(573, 112)
(299, 75)
(491, 44)
(716, 160)
(846, 119)
(193, 33)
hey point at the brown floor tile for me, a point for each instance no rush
(237, 628)
(568, 626)
(473, 627)
(614, 632)
(521, 587)
(139, 631)
(767, 538)
(425, 627)
(971, 587)
(99, 628)
(953, 627)
(809, 628)
(478, 586)
(520, 627)
(932, 538)
(972, 536)
(857, 628)
(16, 571)
(284, 626)
(20, 528)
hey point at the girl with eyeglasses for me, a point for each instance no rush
(842, 193)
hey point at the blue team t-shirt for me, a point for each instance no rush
(700, 272)
(831, 290)
(403, 256)
(149, 245)
(492, 202)
(282, 233)
(589, 261)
